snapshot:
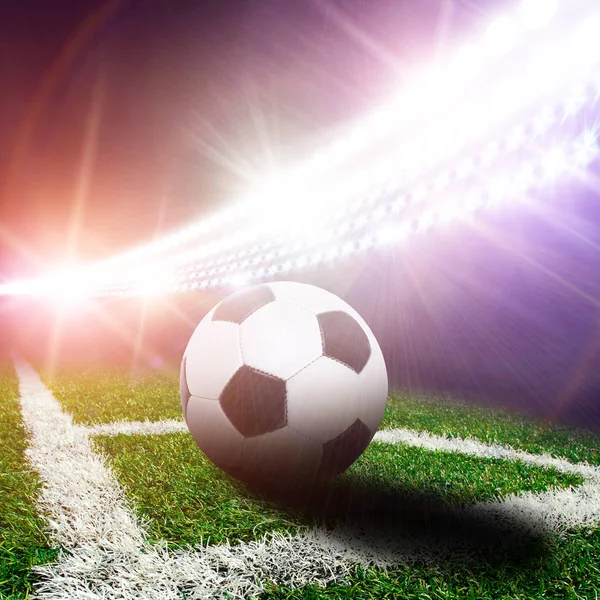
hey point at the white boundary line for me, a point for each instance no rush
(85, 504)
(107, 555)
(409, 437)
(555, 509)
(428, 441)
(136, 427)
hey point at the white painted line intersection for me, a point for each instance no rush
(137, 427)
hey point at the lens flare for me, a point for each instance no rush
(409, 165)
(536, 14)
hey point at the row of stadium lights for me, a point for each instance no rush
(383, 205)
(389, 201)
(467, 167)
(245, 251)
(396, 233)
(491, 153)
(528, 177)
(533, 14)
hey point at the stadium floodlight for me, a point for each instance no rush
(467, 62)
(535, 14)
(392, 233)
(447, 130)
(500, 35)
(381, 122)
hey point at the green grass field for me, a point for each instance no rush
(189, 499)
(22, 540)
(405, 490)
(98, 396)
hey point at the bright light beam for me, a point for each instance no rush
(390, 117)
(580, 52)
(536, 14)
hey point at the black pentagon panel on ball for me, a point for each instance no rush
(254, 402)
(183, 387)
(344, 339)
(239, 306)
(340, 452)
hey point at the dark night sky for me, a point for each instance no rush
(140, 115)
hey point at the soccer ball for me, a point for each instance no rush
(283, 383)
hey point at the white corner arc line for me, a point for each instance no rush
(554, 509)
(429, 441)
(107, 553)
(422, 439)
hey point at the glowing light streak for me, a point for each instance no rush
(557, 162)
(465, 65)
(356, 192)
(535, 14)
(500, 36)
(467, 62)
(468, 167)
(279, 188)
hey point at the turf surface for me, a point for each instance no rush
(189, 500)
(566, 569)
(456, 419)
(22, 540)
(98, 396)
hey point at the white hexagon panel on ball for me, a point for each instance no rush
(283, 382)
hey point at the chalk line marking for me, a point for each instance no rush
(136, 427)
